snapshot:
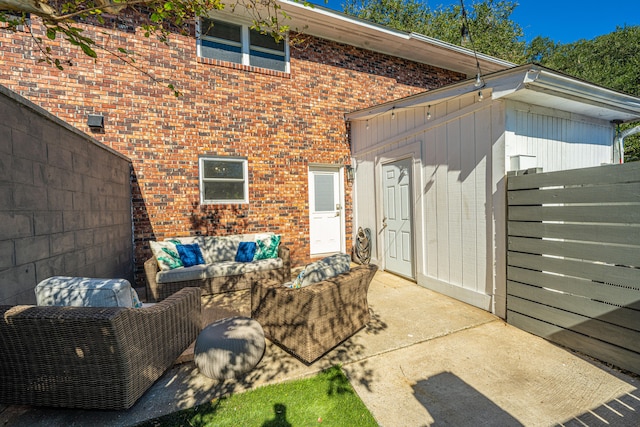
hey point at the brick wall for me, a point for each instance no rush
(64, 203)
(280, 122)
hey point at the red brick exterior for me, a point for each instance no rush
(280, 122)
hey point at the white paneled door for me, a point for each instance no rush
(325, 211)
(397, 221)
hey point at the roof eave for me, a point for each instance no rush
(547, 81)
(336, 26)
(515, 82)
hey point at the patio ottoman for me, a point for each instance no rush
(229, 347)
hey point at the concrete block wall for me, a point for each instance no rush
(65, 202)
(281, 122)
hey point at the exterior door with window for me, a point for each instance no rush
(397, 221)
(325, 211)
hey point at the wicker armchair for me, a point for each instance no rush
(310, 321)
(92, 357)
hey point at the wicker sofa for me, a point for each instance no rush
(311, 320)
(92, 357)
(220, 273)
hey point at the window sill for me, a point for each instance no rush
(248, 68)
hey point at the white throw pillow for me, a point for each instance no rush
(166, 254)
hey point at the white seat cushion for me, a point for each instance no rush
(86, 292)
(218, 269)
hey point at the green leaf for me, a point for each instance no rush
(88, 51)
(51, 33)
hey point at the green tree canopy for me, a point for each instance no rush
(611, 60)
(492, 30)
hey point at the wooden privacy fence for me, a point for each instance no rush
(573, 262)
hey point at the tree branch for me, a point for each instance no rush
(29, 6)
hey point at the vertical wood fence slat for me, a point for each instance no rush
(573, 262)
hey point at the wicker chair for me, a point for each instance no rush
(92, 357)
(310, 321)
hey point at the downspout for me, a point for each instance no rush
(618, 144)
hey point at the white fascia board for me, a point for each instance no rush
(347, 19)
(337, 26)
(463, 50)
(514, 83)
(568, 87)
(500, 83)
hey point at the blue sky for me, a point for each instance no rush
(563, 21)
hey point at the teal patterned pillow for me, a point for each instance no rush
(166, 254)
(297, 283)
(135, 300)
(267, 248)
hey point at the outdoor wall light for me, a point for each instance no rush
(95, 121)
(350, 173)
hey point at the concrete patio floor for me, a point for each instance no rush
(424, 360)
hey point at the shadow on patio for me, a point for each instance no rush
(410, 365)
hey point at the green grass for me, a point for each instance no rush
(326, 399)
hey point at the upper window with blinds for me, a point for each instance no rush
(239, 44)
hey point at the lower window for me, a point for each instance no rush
(223, 180)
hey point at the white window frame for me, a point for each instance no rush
(203, 180)
(245, 44)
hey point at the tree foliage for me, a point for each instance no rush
(611, 60)
(489, 22)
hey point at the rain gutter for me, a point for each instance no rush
(578, 90)
(462, 50)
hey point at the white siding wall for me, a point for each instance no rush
(557, 139)
(454, 186)
(364, 209)
(461, 158)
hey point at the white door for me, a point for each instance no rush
(397, 220)
(325, 211)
